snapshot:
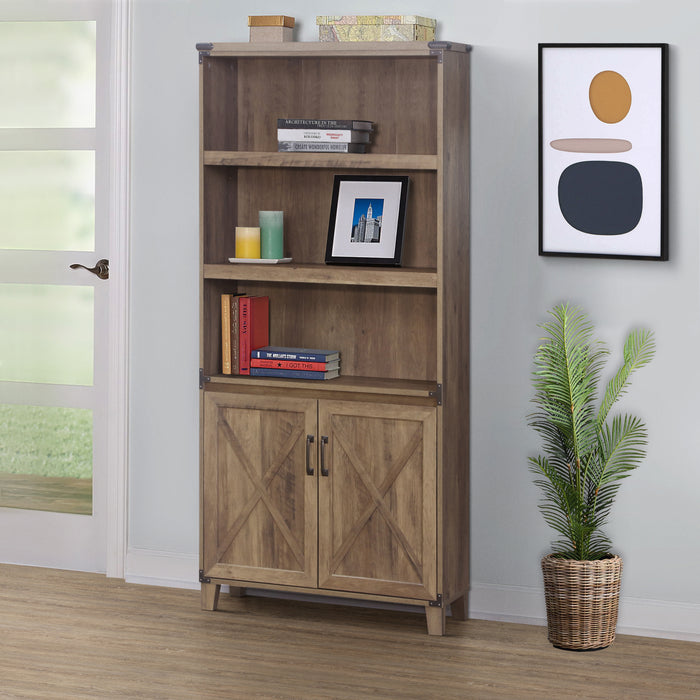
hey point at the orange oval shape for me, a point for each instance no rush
(610, 97)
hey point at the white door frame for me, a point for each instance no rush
(119, 232)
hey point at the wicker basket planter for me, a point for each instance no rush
(582, 599)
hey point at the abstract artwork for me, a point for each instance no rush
(603, 164)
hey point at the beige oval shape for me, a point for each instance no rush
(610, 97)
(591, 145)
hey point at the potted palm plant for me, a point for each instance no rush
(587, 453)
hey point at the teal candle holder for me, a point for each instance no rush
(271, 234)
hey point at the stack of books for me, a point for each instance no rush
(245, 326)
(324, 135)
(295, 363)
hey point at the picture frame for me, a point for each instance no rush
(367, 219)
(603, 150)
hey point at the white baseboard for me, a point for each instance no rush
(638, 616)
(522, 604)
(169, 569)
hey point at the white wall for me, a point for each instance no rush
(655, 525)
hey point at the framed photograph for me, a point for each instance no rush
(603, 150)
(367, 220)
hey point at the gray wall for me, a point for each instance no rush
(655, 525)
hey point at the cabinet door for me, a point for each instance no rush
(377, 499)
(258, 497)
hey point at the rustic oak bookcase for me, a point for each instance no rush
(355, 487)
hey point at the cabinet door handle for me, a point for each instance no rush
(324, 442)
(309, 442)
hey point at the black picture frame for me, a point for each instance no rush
(603, 161)
(378, 238)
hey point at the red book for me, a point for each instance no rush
(253, 328)
(294, 364)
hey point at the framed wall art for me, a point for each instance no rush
(603, 150)
(367, 220)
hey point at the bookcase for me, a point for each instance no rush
(355, 487)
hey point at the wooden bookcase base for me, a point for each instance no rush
(435, 615)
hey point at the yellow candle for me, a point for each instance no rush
(247, 242)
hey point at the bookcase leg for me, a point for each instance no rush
(236, 591)
(435, 618)
(210, 595)
(459, 608)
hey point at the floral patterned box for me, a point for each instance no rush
(375, 28)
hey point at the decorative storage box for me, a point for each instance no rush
(375, 28)
(271, 28)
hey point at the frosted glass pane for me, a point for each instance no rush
(47, 200)
(46, 334)
(46, 458)
(47, 74)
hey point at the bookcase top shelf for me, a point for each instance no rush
(326, 274)
(373, 161)
(332, 49)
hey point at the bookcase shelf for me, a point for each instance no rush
(404, 388)
(324, 274)
(366, 161)
(355, 486)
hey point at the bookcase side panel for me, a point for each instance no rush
(455, 322)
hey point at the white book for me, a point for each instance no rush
(321, 146)
(325, 135)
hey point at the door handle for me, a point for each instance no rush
(309, 442)
(324, 442)
(101, 269)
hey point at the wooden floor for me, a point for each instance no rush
(73, 635)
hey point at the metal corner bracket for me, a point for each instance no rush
(204, 50)
(203, 379)
(437, 394)
(437, 603)
(438, 48)
(206, 579)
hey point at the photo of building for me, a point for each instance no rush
(367, 221)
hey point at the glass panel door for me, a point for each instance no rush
(53, 344)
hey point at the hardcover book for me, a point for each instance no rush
(332, 135)
(292, 373)
(356, 124)
(274, 352)
(253, 328)
(320, 147)
(295, 364)
(235, 349)
(226, 334)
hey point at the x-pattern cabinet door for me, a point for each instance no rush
(377, 499)
(259, 489)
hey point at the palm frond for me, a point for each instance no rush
(637, 352)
